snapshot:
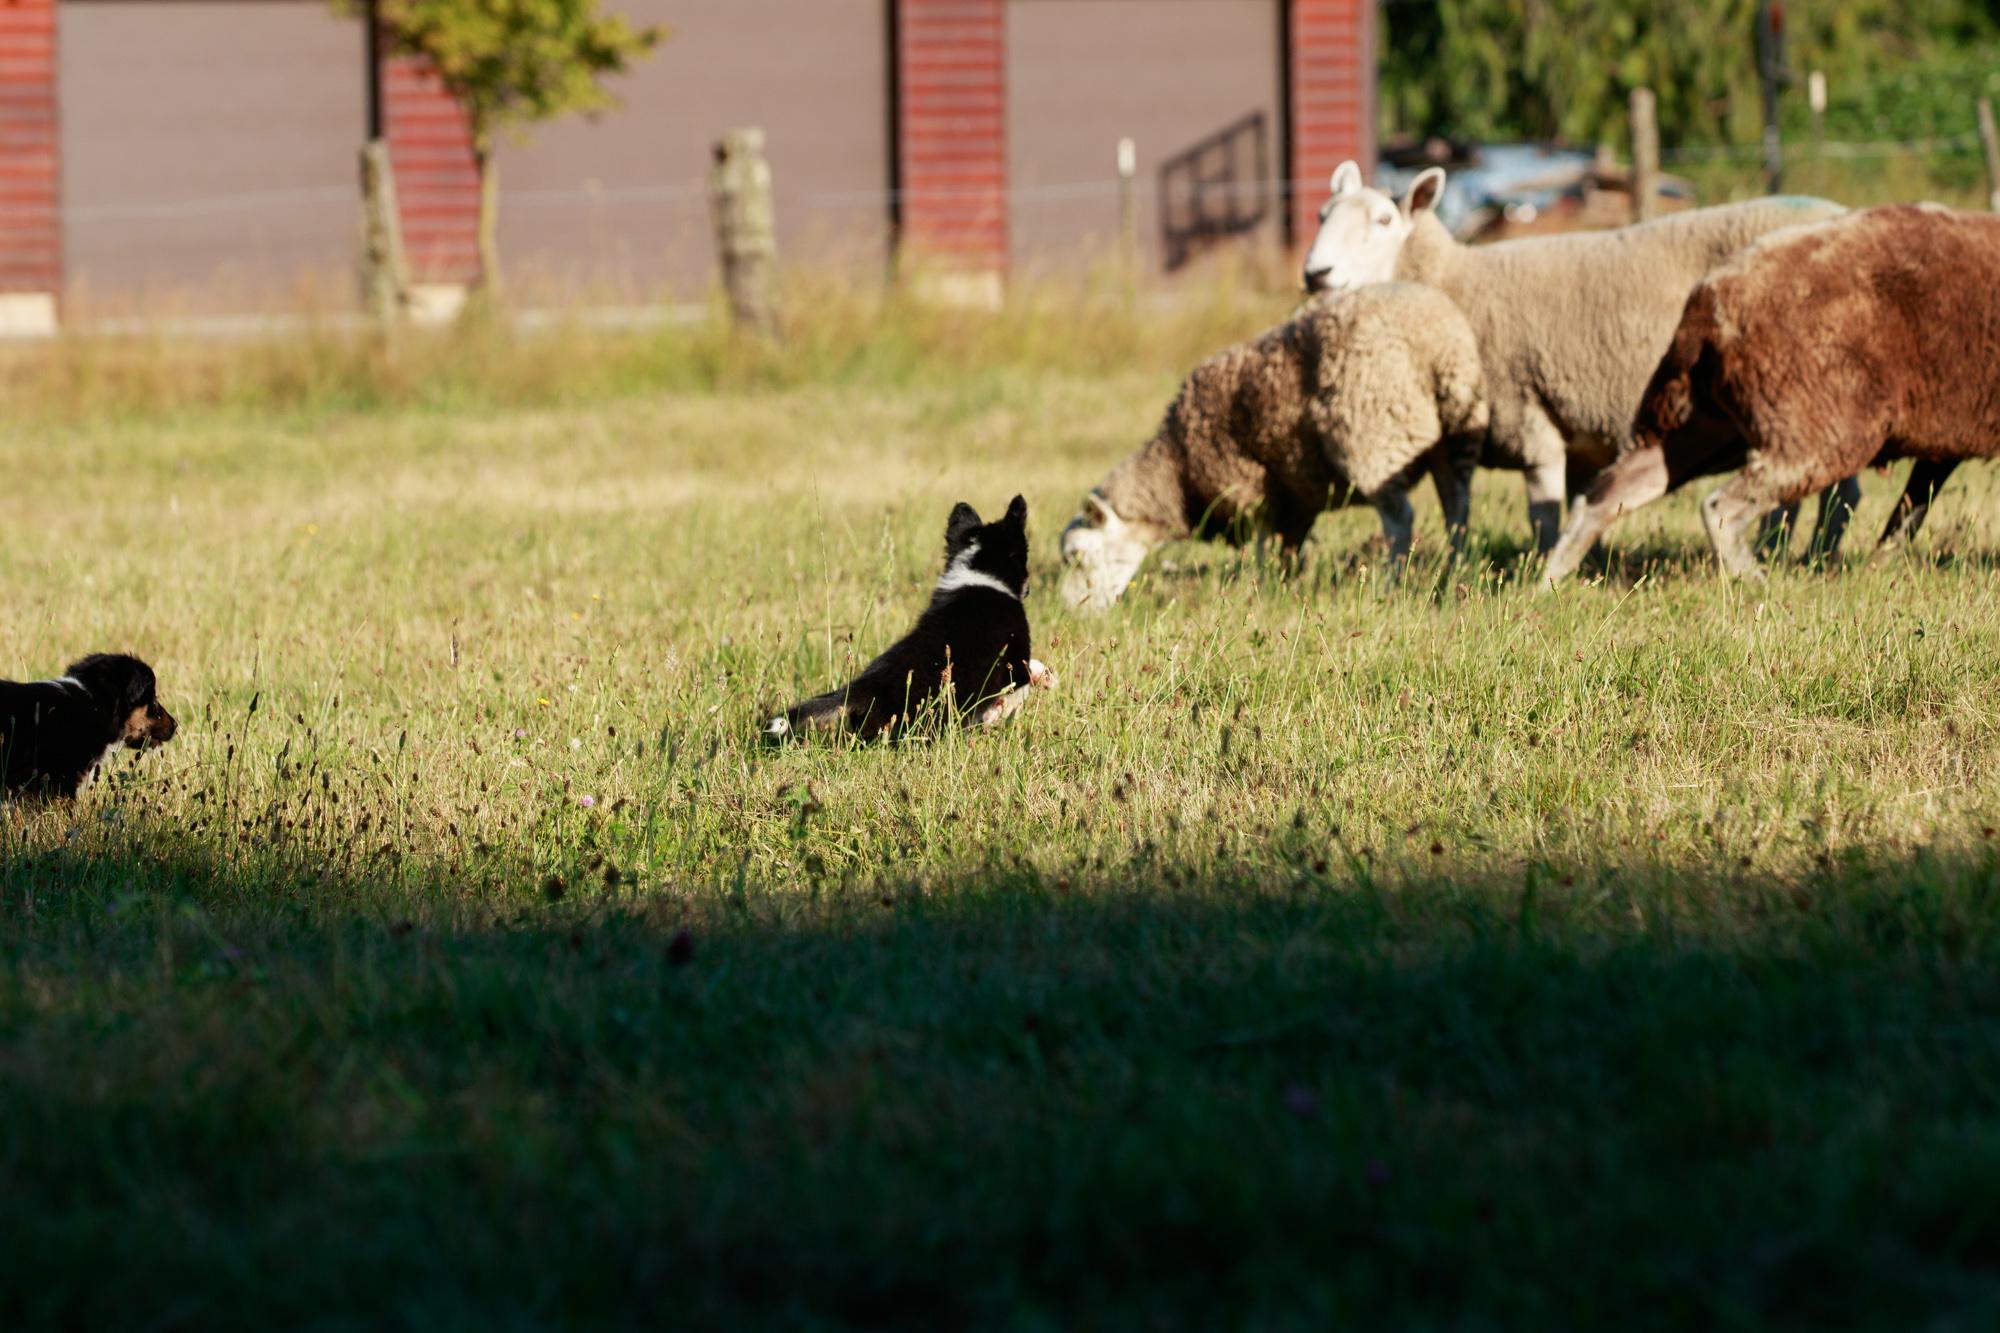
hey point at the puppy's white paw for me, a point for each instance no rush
(1040, 675)
(1003, 707)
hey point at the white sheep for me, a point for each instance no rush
(1348, 402)
(1570, 327)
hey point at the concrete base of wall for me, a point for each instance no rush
(963, 291)
(435, 303)
(27, 315)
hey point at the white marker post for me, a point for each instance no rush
(1128, 209)
(1816, 99)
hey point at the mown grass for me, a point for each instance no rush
(1324, 952)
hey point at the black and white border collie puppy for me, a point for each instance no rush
(973, 637)
(56, 734)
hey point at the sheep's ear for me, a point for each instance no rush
(958, 529)
(1424, 192)
(1017, 512)
(1346, 179)
(1100, 512)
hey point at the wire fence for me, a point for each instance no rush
(648, 241)
(1110, 187)
(1846, 151)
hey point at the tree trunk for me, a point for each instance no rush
(488, 283)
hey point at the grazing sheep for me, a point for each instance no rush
(1349, 401)
(1814, 354)
(1569, 326)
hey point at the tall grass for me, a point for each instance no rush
(1325, 951)
(833, 329)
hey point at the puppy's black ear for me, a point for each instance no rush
(139, 685)
(958, 529)
(1017, 512)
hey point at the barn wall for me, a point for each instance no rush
(203, 151)
(952, 119)
(1333, 99)
(30, 241)
(1167, 73)
(620, 206)
(437, 176)
(209, 151)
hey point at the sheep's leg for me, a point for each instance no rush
(1399, 521)
(1927, 478)
(1837, 504)
(1774, 532)
(1535, 440)
(1794, 452)
(1637, 479)
(1728, 515)
(1451, 473)
(1547, 486)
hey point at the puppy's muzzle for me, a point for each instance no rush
(160, 728)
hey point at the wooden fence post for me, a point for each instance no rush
(384, 276)
(1645, 156)
(1991, 142)
(739, 193)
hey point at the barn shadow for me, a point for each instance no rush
(1161, 1090)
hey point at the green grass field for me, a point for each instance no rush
(1322, 954)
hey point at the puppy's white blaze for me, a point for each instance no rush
(960, 574)
(91, 774)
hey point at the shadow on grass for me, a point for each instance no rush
(1646, 1098)
(1654, 558)
(1493, 561)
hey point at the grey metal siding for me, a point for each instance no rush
(618, 206)
(1170, 74)
(208, 152)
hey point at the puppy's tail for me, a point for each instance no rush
(826, 712)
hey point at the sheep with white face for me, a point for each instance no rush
(1360, 237)
(1569, 327)
(1102, 554)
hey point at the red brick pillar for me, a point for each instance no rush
(30, 225)
(437, 181)
(1333, 100)
(951, 132)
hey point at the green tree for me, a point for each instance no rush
(1562, 69)
(511, 64)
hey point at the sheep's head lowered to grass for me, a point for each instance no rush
(1361, 230)
(1102, 552)
(1345, 403)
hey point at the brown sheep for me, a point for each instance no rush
(1350, 401)
(1817, 352)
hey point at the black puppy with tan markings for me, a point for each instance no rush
(56, 734)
